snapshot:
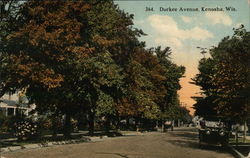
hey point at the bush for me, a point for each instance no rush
(7, 123)
(45, 123)
(74, 124)
(26, 130)
(3, 123)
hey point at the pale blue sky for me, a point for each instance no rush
(183, 31)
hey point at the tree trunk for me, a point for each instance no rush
(157, 125)
(54, 126)
(67, 126)
(91, 122)
(136, 126)
(236, 136)
(118, 124)
(245, 132)
(127, 123)
(172, 126)
(107, 125)
(162, 126)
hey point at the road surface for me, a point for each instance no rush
(181, 143)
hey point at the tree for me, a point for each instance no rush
(224, 77)
(64, 57)
(172, 73)
(9, 20)
(51, 46)
(232, 77)
(205, 105)
(116, 24)
(75, 57)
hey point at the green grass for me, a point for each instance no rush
(39, 140)
(240, 140)
(17, 143)
(60, 137)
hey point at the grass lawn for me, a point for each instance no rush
(49, 138)
(240, 141)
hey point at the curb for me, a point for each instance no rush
(236, 153)
(54, 143)
(44, 144)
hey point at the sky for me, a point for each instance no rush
(203, 24)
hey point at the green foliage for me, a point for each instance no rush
(183, 114)
(3, 123)
(26, 129)
(7, 123)
(9, 20)
(85, 58)
(172, 73)
(105, 105)
(224, 77)
(205, 106)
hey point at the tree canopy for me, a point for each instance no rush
(74, 57)
(224, 77)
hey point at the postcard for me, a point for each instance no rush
(124, 78)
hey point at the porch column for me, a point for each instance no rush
(14, 111)
(6, 111)
(27, 112)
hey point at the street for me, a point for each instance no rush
(181, 143)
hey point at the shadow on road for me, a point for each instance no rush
(189, 139)
(186, 135)
(117, 154)
(187, 129)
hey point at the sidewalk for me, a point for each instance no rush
(53, 143)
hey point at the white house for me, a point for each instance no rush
(11, 104)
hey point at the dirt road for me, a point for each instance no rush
(181, 143)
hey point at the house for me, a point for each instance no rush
(11, 104)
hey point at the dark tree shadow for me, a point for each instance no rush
(185, 138)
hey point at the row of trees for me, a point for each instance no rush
(224, 78)
(76, 58)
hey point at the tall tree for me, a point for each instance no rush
(205, 105)
(172, 74)
(224, 77)
(232, 58)
(80, 56)
(67, 56)
(9, 20)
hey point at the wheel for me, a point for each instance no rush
(201, 146)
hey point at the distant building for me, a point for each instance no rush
(11, 104)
